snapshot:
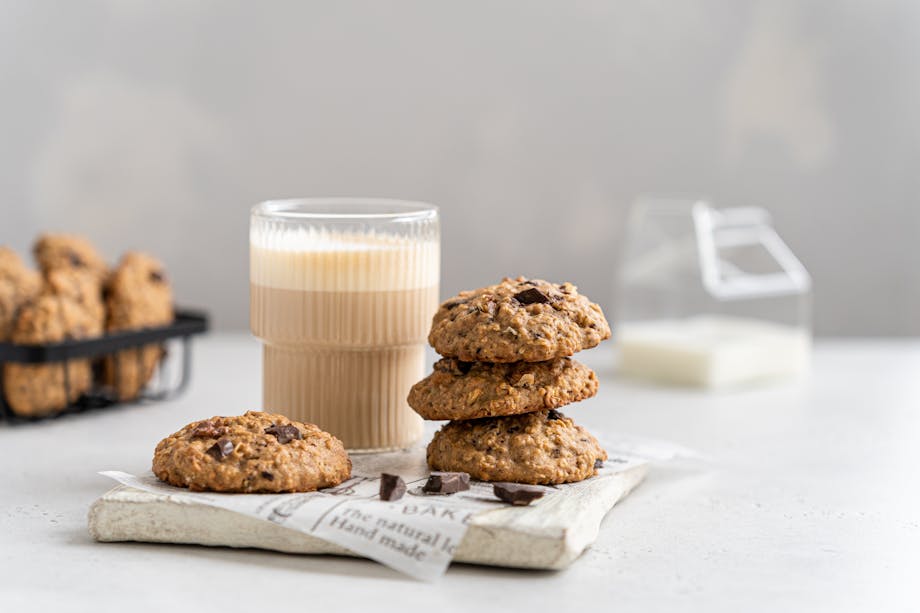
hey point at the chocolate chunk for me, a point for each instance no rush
(268, 476)
(598, 464)
(157, 276)
(392, 487)
(75, 260)
(208, 429)
(446, 483)
(531, 296)
(516, 494)
(554, 414)
(284, 434)
(464, 367)
(221, 449)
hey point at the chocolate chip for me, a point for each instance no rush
(554, 415)
(284, 434)
(531, 296)
(516, 494)
(157, 276)
(221, 449)
(598, 464)
(446, 483)
(392, 487)
(268, 476)
(75, 260)
(464, 367)
(208, 429)
(453, 304)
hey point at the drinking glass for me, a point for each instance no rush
(342, 292)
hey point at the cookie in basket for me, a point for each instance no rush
(18, 285)
(69, 252)
(138, 295)
(81, 286)
(34, 390)
(544, 447)
(252, 453)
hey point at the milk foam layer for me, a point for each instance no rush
(320, 260)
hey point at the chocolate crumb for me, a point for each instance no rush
(446, 483)
(531, 296)
(464, 367)
(221, 449)
(392, 487)
(284, 434)
(516, 494)
(157, 277)
(75, 260)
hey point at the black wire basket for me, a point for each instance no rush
(164, 385)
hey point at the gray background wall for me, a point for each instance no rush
(533, 124)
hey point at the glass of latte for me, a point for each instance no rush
(342, 292)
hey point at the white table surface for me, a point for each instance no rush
(811, 502)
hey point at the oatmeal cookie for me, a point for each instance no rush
(18, 285)
(252, 453)
(68, 252)
(544, 447)
(527, 320)
(34, 390)
(81, 286)
(138, 295)
(472, 390)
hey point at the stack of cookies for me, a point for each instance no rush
(504, 372)
(74, 295)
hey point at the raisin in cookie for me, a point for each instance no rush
(18, 285)
(138, 295)
(34, 390)
(471, 390)
(544, 447)
(69, 252)
(252, 453)
(517, 320)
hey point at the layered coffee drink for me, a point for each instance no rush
(343, 316)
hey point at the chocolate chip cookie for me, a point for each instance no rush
(544, 447)
(138, 295)
(81, 286)
(471, 390)
(252, 453)
(68, 252)
(18, 285)
(527, 320)
(40, 389)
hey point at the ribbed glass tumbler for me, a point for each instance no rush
(342, 291)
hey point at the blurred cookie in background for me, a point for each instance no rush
(33, 390)
(18, 285)
(80, 285)
(138, 295)
(69, 252)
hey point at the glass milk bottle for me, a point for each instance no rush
(710, 297)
